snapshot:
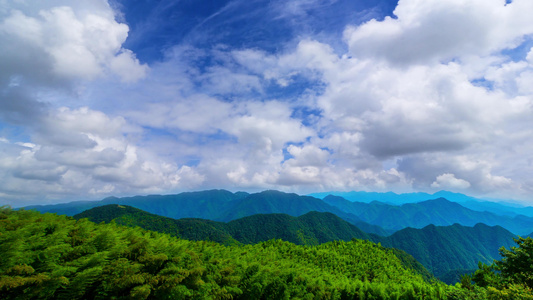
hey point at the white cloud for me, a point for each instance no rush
(421, 102)
(75, 44)
(448, 181)
(434, 31)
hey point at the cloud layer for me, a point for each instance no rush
(436, 96)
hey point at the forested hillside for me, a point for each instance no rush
(46, 256)
(312, 228)
(218, 205)
(440, 249)
(50, 256)
(187, 228)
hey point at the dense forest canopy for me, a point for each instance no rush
(47, 256)
(439, 250)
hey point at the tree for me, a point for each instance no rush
(516, 265)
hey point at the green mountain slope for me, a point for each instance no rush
(444, 248)
(187, 228)
(312, 228)
(50, 256)
(440, 249)
(272, 202)
(218, 205)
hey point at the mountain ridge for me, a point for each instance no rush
(438, 211)
(497, 206)
(440, 249)
(375, 217)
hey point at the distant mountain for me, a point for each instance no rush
(444, 248)
(440, 212)
(211, 204)
(276, 202)
(218, 205)
(499, 207)
(367, 197)
(272, 202)
(375, 217)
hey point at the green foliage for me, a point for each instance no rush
(511, 277)
(454, 276)
(47, 256)
(444, 248)
(190, 229)
(517, 262)
(313, 228)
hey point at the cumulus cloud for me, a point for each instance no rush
(435, 98)
(448, 181)
(435, 31)
(102, 162)
(67, 43)
(369, 111)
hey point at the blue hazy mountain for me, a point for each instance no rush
(499, 207)
(210, 204)
(375, 217)
(440, 212)
(218, 205)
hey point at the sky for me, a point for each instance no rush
(136, 97)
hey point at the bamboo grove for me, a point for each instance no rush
(47, 256)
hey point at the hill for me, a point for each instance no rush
(187, 228)
(50, 256)
(439, 212)
(312, 228)
(217, 205)
(272, 202)
(440, 249)
(445, 248)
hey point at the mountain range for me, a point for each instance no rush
(499, 207)
(440, 249)
(217, 205)
(375, 217)
(439, 212)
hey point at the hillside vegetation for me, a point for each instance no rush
(440, 249)
(57, 257)
(46, 256)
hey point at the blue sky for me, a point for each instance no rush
(101, 98)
